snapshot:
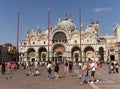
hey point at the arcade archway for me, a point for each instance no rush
(89, 53)
(31, 54)
(59, 53)
(75, 53)
(42, 52)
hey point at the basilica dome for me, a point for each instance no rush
(67, 24)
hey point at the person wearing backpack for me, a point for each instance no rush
(49, 70)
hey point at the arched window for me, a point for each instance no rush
(59, 37)
(44, 42)
(75, 41)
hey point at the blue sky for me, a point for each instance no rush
(35, 12)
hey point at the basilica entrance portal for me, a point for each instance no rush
(59, 56)
(59, 53)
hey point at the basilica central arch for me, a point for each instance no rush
(59, 53)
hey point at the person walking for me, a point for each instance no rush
(112, 67)
(85, 69)
(66, 64)
(8, 66)
(93, 69)
(49, 70)
(3, 68)
(117, 68)
(56, 70)
(70, 68)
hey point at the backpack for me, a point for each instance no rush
(66, 64)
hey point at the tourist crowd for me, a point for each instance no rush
(84, 70)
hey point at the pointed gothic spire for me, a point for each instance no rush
(27, 31)
(32, 30)
(59, 19)
(38, 30)
(66, 16)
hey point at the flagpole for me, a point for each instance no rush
(80, 37)
(48, 31)
(17, 53)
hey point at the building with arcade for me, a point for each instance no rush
(65, 41)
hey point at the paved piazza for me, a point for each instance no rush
(21, 81)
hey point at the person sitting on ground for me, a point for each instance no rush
(29, 73)
(37, 73)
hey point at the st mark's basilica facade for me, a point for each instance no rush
(67, 42)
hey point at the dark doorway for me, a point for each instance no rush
(33, 59)
(60, 58)
(76, 57)
(112, 57)
(101, 53)
(42, 56)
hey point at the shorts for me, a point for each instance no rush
(92, 73)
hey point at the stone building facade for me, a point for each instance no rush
(66, 42)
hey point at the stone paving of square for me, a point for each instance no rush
(21, 81)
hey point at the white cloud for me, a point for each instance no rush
(106, 9)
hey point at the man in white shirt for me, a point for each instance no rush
(49, 70)
(36, 64)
